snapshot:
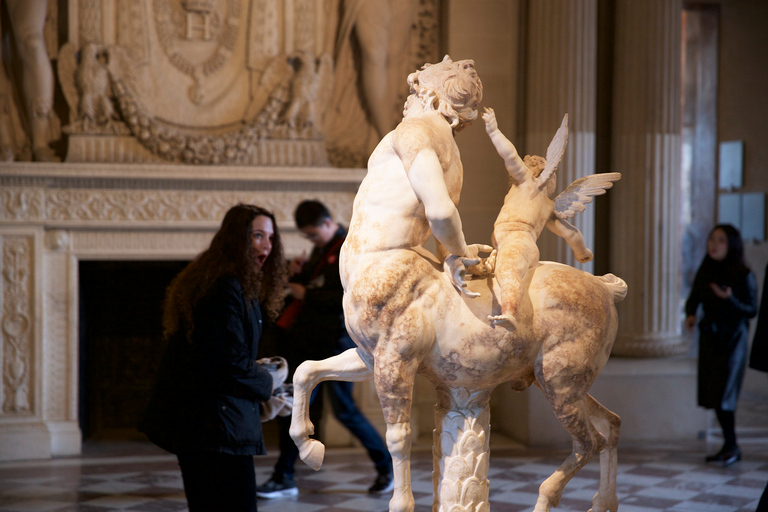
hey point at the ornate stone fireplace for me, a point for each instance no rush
(52, 216)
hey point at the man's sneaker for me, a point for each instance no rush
(383, 483)
(277, 488)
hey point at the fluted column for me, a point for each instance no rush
(561, 76)
(645, 148)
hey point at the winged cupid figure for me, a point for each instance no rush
(528, 208)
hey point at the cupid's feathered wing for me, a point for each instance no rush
(573, 199)
(555, 152)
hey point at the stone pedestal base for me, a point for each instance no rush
(38, 440)
(655, 398)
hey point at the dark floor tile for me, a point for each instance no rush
(654, 471)
(155, 491)
(83, 508)
(159, 506)
(718, 499)
(747, 482)
(685, 485)
(74, 496)
(574, 504)
(651, 502)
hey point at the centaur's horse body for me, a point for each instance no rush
(407, 318)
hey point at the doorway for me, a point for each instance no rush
(121, 342)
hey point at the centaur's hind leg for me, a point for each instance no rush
(347, 366)
(608, 424)
(574, 415)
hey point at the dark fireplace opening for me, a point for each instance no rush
(120, 342)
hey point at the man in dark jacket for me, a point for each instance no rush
(313, 328)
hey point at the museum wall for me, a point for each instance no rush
(97, 220)
(490, 32)
(741, 113)
(743, 77)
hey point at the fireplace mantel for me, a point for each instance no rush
(54, 215)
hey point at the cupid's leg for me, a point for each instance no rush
(515, 254)
(573, 238)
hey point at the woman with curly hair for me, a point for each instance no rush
(205, 405)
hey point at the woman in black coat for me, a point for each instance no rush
(205, 406)
(727, 291)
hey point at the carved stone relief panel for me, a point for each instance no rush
(197, 81)
(207, 81)
(21, 203)
(95, 205)
(16, 324)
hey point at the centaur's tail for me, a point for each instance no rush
(617, 286)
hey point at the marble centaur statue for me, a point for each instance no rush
(412, 312)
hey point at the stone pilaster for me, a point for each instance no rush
(646, 137)
(561, 75)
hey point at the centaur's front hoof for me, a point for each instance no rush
(312, 453)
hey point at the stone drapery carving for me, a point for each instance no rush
(16, 324)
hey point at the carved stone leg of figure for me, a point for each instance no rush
(461, 455)
(347, 366)
(382, 30)
(6, 128)
(7, 132)
(515, 253)
(28, 20)
(394, 377)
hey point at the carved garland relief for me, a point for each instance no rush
(69, 204)
(18, 203)
(16, 323)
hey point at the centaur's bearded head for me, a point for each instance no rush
(451, 88)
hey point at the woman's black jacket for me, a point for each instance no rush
(207, 393)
